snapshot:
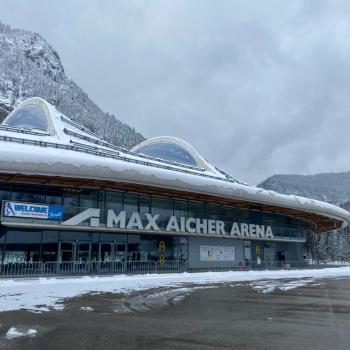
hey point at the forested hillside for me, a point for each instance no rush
(29, 66)
(333, 188)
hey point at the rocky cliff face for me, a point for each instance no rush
(29, 67)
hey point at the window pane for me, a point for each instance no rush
(17, 253)
(5, 195)
(196, 210)
(70, 202)
(28, 117)
(75, 236)
(114, 200)
(53, 199)
(162, 248)
(227, 215)
(2, 249)
(212, 212)
(88, 199)
(247, 250)
(131, 203)
(168, 151)
(182, 248)
(145, 207)
(2, 235)
(163, 207)
(49, 252)
(14, 236)
(22, 246)
(138, 251)
(110, 237)
(145, 204)
(180, 208)
(50, 236)
(31, 197)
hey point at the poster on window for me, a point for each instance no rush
(217, 253)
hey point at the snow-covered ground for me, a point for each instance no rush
(45, 294)
(15, 332)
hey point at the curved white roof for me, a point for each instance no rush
(172, 149)
(39, 113)
(69, 149)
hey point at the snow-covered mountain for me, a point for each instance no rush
(329, 187)
(333, 188)
(29, 67)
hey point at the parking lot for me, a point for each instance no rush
(315, 316)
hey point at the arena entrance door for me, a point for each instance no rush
(109, 252)
(81, 251)
(106, 252)
(74, 251)
(66, 251)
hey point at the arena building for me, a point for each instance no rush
(68, 195)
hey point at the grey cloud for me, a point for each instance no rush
(258, 87)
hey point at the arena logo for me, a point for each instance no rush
(174, 224)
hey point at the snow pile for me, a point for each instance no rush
(44, 294)
(14, 332)
(151, 300)
(271, 286)
(86, 308)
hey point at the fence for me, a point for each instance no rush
(79, 268)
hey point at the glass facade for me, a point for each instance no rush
(75, 201)
(19, 245)
(22, 245)
(28, 117)
(168, 151)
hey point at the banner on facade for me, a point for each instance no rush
(33, 211)
(217, 253)
(135, 221)
(147, 221)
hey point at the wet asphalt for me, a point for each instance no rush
(228, 317)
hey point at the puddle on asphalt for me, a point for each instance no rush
(152, 300)
(155, 299)
(269, 286)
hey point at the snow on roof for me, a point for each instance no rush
(71, 150)
(172, 148)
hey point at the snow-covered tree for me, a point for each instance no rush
(29, 66)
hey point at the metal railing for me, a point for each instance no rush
(24, 130)
(117, 149)
(100, 141)
(94, 139)
(104, 154)
(85, 268)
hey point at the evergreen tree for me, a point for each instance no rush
(29, 67)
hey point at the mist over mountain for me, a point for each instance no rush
(333, 188)
(29, 67)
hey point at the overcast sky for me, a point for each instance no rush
(257, 87)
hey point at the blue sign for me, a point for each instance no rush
(33, 211)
